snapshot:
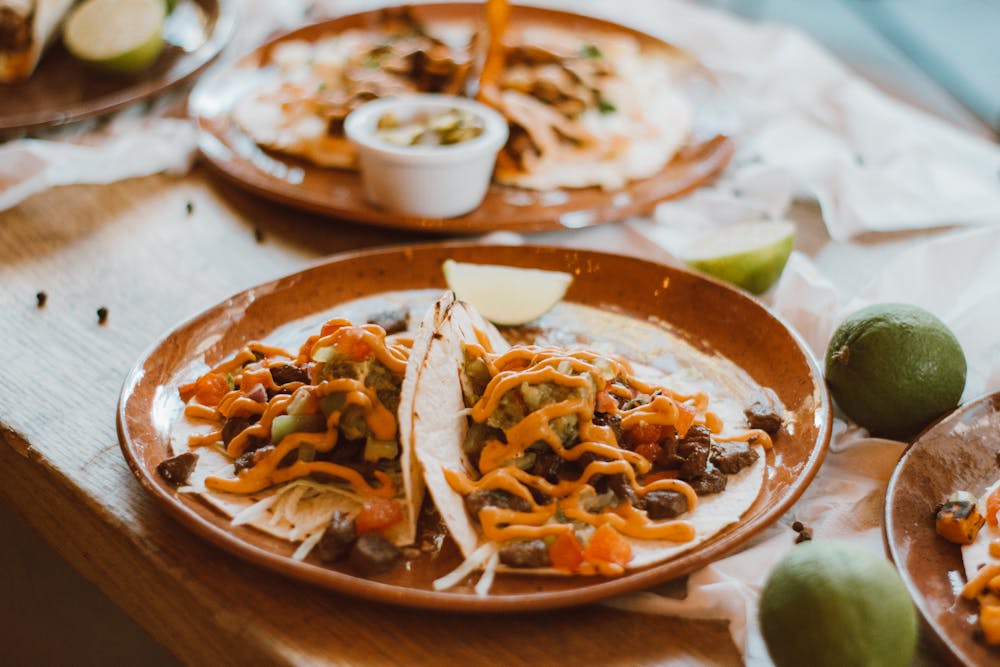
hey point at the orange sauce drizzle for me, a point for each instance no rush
(366, 341)
(582, 371)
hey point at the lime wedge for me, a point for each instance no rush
(121, 36)
(505, 294)
(751, 255)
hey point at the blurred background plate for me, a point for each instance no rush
(63, 89)
(338, 192)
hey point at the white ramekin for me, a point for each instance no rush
(425, 181)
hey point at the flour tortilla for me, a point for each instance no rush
(440, 425)
(45, 17)
(296, 510)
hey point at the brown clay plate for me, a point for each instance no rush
(958, 453)
(338, 192)
(63, 89)
(709, 315)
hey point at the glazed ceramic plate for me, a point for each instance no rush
(958, 453)
(338, 193)
(710, 316)
(63, 89)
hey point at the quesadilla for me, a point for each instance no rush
(563, 460)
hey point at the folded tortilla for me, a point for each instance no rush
(299, 510)
(440, 427)
(26, 29)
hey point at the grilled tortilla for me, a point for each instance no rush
(26, 29)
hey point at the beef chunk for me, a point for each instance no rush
(547, 464)
(698, 433)
(525, 553)
(695, 455)
(373, 554)
(392, 320)
(337, 538)
(176, 470)
(477, 500)
(614, 421)
(250, 457)
(233, 427)
(730, 458)
(620, 486)
(763, 416)
(708, 483)
(285, 373)
(665, 504)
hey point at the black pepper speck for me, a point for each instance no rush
(102, 315)
(41, 298)
(258, 234)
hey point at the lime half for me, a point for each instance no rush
(505, 294)
(122, 36)
(751, 255)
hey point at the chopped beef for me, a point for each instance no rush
(176, 470)
(614, 421)
(393, 320)
(345, 451)
(233, 427)
(623, 490)
(712, 481)
(695, 454)
(730, 458)
(284, 373)
(249, 458)
(373, 554)
(665, 504)
(477, 500)
(763, 416)
(698, 433)
(547, 464)
(337, 538)
(525, 553)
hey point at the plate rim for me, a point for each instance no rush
(222, 32)
(716, 547)
(718, 150)
(952, 651)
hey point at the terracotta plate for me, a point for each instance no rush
(63, 89)
(957, 453)
(338, 193)
(709, 315)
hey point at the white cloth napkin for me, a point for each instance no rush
(796, 113)
(845, 501)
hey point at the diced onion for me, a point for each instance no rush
(254, 511)
(307, 545)
(489, 571)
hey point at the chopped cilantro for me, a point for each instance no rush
(591, 51)
(605, 106)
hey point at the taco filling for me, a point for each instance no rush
(310, 444)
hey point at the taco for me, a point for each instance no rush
(309, 447)
(563, 460)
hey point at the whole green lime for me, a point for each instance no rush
(836, 604)
(893, 368)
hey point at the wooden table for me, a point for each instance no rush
(135, 249)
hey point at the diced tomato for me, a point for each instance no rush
(648, 450)
(210, 388)
(351, 343)
(608, 546)
(565, 552)
(605, 403)
(643, 432)
(187, 391)
(685, 417)
(378, 514)
(992, 506)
